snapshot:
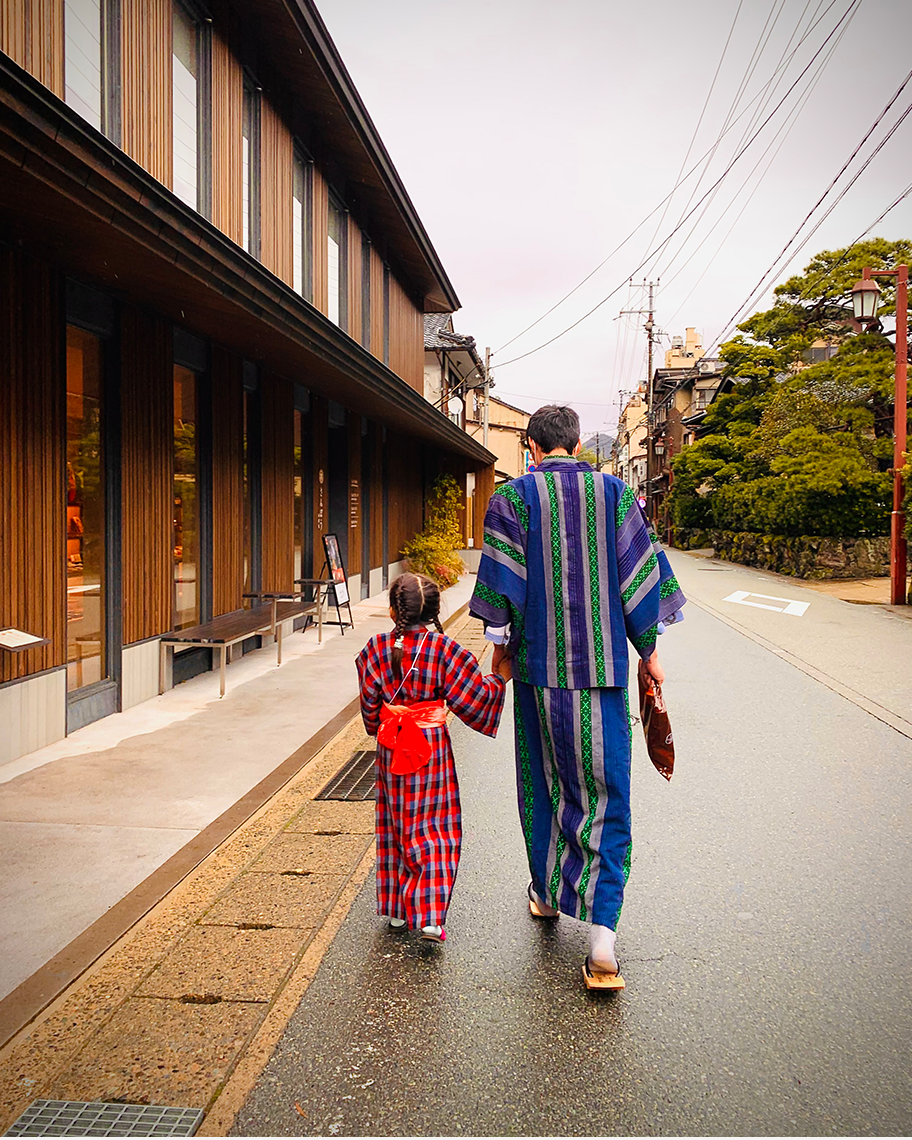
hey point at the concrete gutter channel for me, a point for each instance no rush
(179, 994)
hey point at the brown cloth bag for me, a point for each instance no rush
(656, 725)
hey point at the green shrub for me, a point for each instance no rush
(433, 550)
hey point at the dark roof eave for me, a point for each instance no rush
(53, 157)
(315, 32)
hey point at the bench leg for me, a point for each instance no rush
(319, 615)
(162, 661)
(222, 662)
(279, 644)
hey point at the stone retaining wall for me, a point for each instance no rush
(807, 556)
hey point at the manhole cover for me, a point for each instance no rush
(96, 1118)
(355, 781)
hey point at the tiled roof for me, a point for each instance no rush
(433, 324)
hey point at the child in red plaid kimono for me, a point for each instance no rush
(409, 677)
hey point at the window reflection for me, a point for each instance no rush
(85, 513)
(186, 502)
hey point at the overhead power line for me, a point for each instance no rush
(732, 321)
(852, 5)
(692, 170)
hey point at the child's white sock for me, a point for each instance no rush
(433, 932)
(601, 949)
(397, 923)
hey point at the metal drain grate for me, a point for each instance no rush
(96, 1118)
(356, 781)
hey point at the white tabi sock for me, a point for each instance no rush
(601, 949)
(396, 923)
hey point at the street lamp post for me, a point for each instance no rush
(865, 295)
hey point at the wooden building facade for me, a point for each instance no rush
(212, 294)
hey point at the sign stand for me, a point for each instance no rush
(337, 580)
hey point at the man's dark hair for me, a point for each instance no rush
(554, 426)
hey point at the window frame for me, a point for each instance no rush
(251, 113)
(335, 203)
(304, 162)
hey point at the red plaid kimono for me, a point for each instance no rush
(419, 822)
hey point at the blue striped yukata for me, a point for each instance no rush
(570, 572)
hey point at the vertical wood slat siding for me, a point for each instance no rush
(227, 481)
(484, 489)
(406, 337)
(32, 462)
(376, 494)
(355, 491)
(406, 496)
(147, 444)
(320, 231)
(276, 187)
(320, 445)
(31, 34)
(227, 146)
(147, 127)
(376, 288)
(354, 280)
(277, 419)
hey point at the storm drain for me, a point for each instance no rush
(356, 780)
(96, 1118)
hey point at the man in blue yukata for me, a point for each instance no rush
(570, 572)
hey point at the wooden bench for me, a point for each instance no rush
(228, 629)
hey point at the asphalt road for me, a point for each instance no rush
(765, 941)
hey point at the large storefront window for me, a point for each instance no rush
(85, 512)
(186, 540)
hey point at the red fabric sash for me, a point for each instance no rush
(400, 731)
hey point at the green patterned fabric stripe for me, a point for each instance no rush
(592, 542)
(526, 765)
(641, 575)
(506, 548)
(669, 586)
(518, 622)
(491, 596)
(626, 502)
(515, 498)
(646, 638)
(554, 884)
(591, 792)
(628, 855)
(557, 581)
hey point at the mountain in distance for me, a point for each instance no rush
(601, 443)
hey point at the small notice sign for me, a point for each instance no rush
(336, 568)
(14, 640)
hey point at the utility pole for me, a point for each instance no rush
(651, 331)
(487, 398)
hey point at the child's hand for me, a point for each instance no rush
(503, 666)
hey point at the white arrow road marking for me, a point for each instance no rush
(796, 609)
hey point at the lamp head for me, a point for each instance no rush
(865, 298)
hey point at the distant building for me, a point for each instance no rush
(630, 445)
(506, 434)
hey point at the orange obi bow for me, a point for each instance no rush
(400, 731)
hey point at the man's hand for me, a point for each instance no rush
(654, 669)
(501, 663)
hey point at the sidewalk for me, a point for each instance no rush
(186, 1007)
(98, 827)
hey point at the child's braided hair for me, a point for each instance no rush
(413, 599)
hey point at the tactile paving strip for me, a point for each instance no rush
(356, 780)
(96, 1118)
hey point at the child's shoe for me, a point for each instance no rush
(397, 923)
(433, 933)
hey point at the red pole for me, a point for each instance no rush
(900, 415)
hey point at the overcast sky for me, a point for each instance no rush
(534, 136)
